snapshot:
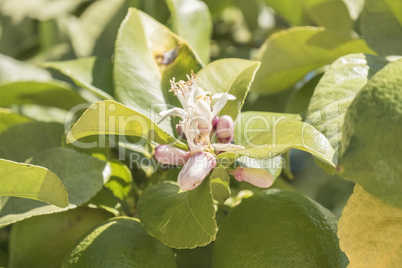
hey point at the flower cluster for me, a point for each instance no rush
(199, 123)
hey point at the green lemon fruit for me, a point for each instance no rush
(119, 242)
(43, 241)
(278, 228)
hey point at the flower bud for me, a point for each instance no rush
(225, 129)
(256, 176)
(167, 154)
(195, 170)
(215, 121)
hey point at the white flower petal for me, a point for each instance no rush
(219, 95)
(219, 104)
(171, 112)
(203, 114)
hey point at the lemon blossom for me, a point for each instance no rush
(198, 122)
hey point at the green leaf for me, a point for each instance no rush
(39, 9)
(162, 55)
(92, 34)
(113, 118)
(121, 171)
(381, 26)
(289, 55)
(8, 119)
(119, 242)
(265, 231)
(82, 175)
(43, 113)
(191, 21)
(12, 70)
(94, 74)
(370, 231)
(229, 75)
(266, 135)
(220, 185)
(250, 10)
(371, 146)
(14, 35)
(216, 7)
(33, 182)
(50, 237)
(121, 180)
(336, 91)
(51, 93)
(331, 14)
(178, 219)
(20, 142)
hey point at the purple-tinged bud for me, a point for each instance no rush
(225, 129)
(215, 121)
(180, 131)
(167, 154)
(256, 176)
(195, 170)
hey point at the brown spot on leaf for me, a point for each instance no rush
(167, 57)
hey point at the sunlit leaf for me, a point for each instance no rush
(191, 21)
(113, 118)
(229, 75)
(75, 171)
(33, 182)
(163, 55)
(266, 135)
(331, 14)
(381, 26)
(220, 185)
(289, 55)
(336, 91)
